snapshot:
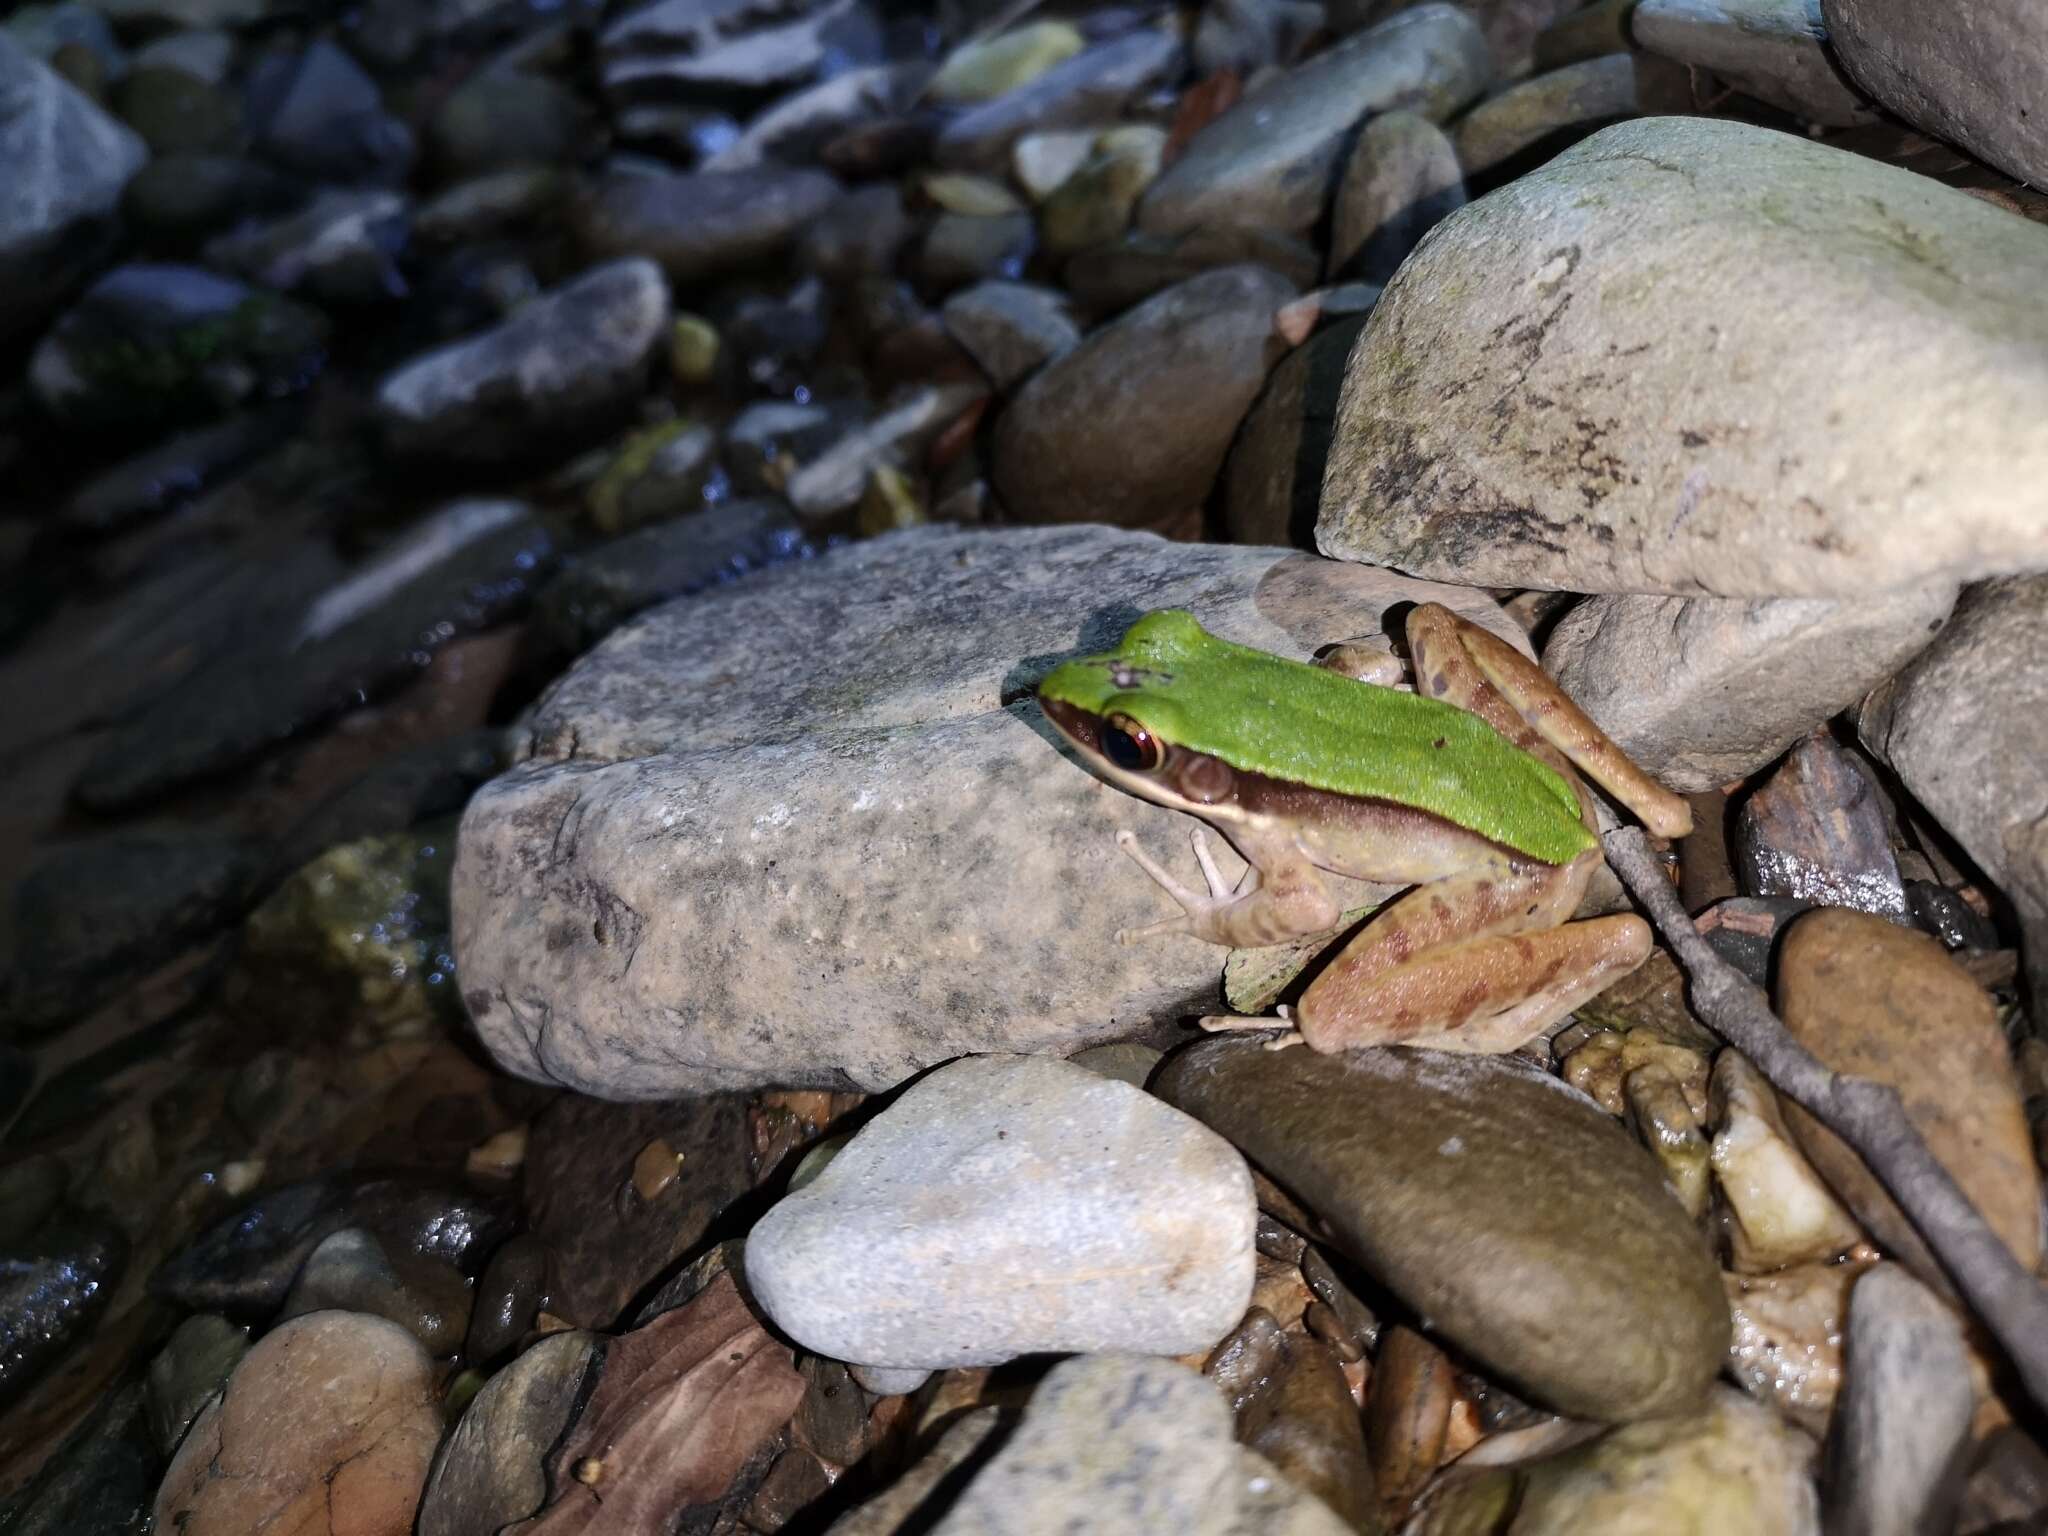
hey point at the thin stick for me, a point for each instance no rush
(1867, 1115)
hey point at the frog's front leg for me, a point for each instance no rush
(1281, 898)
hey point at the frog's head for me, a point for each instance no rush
(1130, 712)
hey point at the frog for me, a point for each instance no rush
(1463, 787)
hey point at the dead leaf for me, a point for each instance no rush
(1199, 106)
(683, 1404)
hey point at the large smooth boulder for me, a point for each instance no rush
(1574, 382)
(730, 856)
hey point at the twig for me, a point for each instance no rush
(1867, 1115)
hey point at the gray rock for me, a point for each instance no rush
(1011, 329)
(1511, 27)
(176, 469)
(1132, 424)
(1126, 1061)
(179, 114)
(342, 248)
(1776, 50)
(703, 225)
(1506, 1208)
(716, 49)
(207, 55)
(1703, 691)
(1532, 121)
(859, 236)
(180, 15)
(1248, 35)
(349, 1271)
(40, 30)
(1115, 1442)
(832, 480)
(1271, 161)
(795, 128)
(766, 442)
(98, 914)
(397, 793)
(1079, 1214)
(561, 371)
(1402, 177)
(1484, 432)
(66, 164)
(1965, 72)
(1731, 1466)
(1274, 477)
(789, 959)
(491, 1471)
(468, 566)
(1112, 278)
(320, 115)
(503, 119)
(191, 1367)
(1902, 1428)
(508, 203)
(177, 201)
(1092, 87)
(149, 345)
(1817, 830)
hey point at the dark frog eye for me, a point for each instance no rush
(1129, 745)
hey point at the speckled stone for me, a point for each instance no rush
(1012, 1205)
(645, 907)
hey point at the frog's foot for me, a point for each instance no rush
(1219, 1023)
(1196, 908)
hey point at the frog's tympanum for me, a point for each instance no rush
(1464, 788)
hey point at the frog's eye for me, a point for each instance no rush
(1129, 745)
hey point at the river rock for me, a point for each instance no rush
(319, 114)
(187, 1372)
(1090, 88)
(1117, 1442)
(1132, 425)
(561, 370)
(1011, 329)
(1963, 72)
(342, 248)
(327, 1427)
(1876, 1000)
(703, 225)
(1817, 830)
(1400, 179)
(500, 119)
(1483, 432)
(178, 201)
(832, 481)
(1777, 1211)
(1079, 1214)
(797, 128)
(1902, 1435)
(149, 345)
(1531, 121)
(1729, 1466)
(1775, 50)
(55, 1285)
(1738, 681)
(179, 114)
(66, 164)
(350, 1272)
(611, 842)
(724, 52)
(1270, 162)
(1274, 477)
(490, 1473)
(1244, 36)
(1789, 1325)
(982, 71)
(1527, 1226)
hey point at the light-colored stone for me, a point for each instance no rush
(1006, 1206)
(1704, 691)
(1775, 50)
(1011, 329)
(1506, 1207)
(1120, 1443)
(1270, 161)
(650, 903)
(67, 162)
(1544, 113)
(1745, 450)
(1787, 1348)
(1400, 179)
(1779, 1210)
(833, 481)
(1729, 1467)
(565, 367)
(1902, 1442)
(1092, 87)
(326, 1429)
(1967, 71)
(1132, 425)
(982, 71)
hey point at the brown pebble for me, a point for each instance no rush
(657, 1167)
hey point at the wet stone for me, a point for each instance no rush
(490, 1472)
(511, 1293)
(1817, 830)
(191, 1367)
(101, 1480)
(349, 1271)
(54, 1284)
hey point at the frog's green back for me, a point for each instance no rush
(1309, 725)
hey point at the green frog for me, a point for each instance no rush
(1466, 788)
